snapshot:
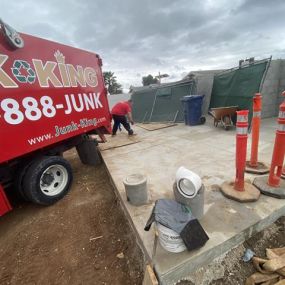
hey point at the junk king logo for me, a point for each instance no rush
(18, 65)
(67, 74)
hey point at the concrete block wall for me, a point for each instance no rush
(280, 98)
(204, 80)
(273, 85)
(114, 99)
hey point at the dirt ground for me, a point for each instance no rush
(75, 241)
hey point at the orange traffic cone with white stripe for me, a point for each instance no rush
(273, 185)
(240, 190)
(253, 165)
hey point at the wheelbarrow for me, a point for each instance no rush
(223, 115)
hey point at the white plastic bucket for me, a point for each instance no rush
(169, 239)
(188, 182)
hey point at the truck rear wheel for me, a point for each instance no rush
(47, 180)
(19, 180)
(88, 152)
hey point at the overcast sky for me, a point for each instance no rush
(140, 37)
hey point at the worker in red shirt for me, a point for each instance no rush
(120, 113)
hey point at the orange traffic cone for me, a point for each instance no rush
(272, 185)
(255, 166)
(240, 190)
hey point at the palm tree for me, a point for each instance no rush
(111, 83)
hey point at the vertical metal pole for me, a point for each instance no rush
(175, 117)
(144, 116)
(152, 107)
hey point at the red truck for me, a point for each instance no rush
(52, 98)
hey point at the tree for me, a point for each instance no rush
(111, 83)
(147, 80)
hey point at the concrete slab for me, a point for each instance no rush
(210, 152)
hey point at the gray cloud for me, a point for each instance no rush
(140, 37)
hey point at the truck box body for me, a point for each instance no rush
(52, 98)
(49, 92)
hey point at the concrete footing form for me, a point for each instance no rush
(210, 152)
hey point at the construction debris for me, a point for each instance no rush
(248, 255)
(120, 255)
(95, 238)
(271, 271)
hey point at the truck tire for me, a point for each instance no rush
(19, 180)
(47, 180)
(88, 152)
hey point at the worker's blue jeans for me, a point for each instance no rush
(121, 120)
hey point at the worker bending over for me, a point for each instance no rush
(122, 114)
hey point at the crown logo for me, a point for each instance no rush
(60, 58)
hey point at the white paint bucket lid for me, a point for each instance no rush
(169, 239)
(188, 182)
(135, 179)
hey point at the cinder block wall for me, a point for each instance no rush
(204, 80)
(280, 98)
(114, 99)
(274, 84)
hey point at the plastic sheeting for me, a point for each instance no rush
(237, 87)
(161, 103)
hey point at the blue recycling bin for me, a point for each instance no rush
(193, 109)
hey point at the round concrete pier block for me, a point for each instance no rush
(136, 189)
(250, 194)
(262, 168)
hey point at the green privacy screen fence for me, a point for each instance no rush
(161, 103)
(236, 87)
